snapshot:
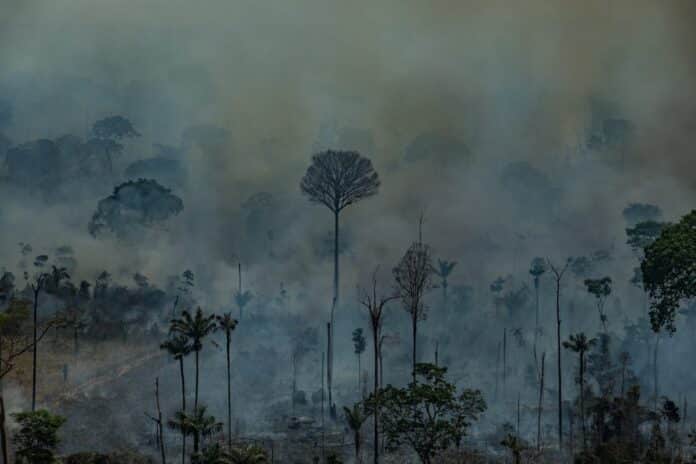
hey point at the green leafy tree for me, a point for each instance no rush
(428, 415)
(600, 289)
(37, 437)
(359, 345)
(580, 344)
(226, 324)
(195, 328)
(669, 271)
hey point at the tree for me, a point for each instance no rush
(195, 328)
(428, 415)
(355, 418)
(338, 179)
(537, 269)
(248, 454)
(134, 205)
(197, 424)
(413, 277)
(601, 289)
(107, 134)
(179, 348)
(375, 305)
(359, 346)
(558, 273)
(242, 298)
(226, 323)
(37, 437)
(580, 344)
(516, 446)
(443, 270)
(669, 271)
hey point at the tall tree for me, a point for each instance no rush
(558, 273)
(178, 347)
(601, 289)
(359, 345)
(413, 277)
(107, 134)
(537, 269)
(443, 270)
(226, 323)
(338, 179)
(580, 344)
(375, 306)
(195, 328)
(241, 297)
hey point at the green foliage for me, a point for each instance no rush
(248, 454)
(37, 436)
(197, 424)
(669, 271)
(194, 327)
(643, 234)
(428, 415)
(178, 346)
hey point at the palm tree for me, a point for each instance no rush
(580, 344)
(355, 418)
(359, 345)
(195, 328)
(558, 273)
(227, 324)
(197, 424)
(248, 454)
(179, 348)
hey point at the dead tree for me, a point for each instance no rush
(413, 277)
(375, 307)
(338, 179)
(158, 422)
(541, 399)
(558, 275)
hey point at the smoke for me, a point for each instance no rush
(526, 82)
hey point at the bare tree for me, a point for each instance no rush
(375, 307)
(413, 277)
(541, 399)
(558, 273)
(338, 179)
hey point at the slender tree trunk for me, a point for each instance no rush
(504, 361)
(358, 372)
(329, 372)
(536, 320)
(229, 396)
(377, 379)
(3, 429)
(195, 398)
(159, 422)
(414, 321)
(322, 405)
(183, 408)
(335, 262)
(560, 374)
(34, 349)
(541, 400)
(333, 308)
(655, 376)
(582, 400)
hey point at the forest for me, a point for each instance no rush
(445, 232)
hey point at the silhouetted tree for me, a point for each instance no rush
(178, 347)
(338, 179)
(443, 270)
(375, 305)
(37, 437)
(358, 347)
(537, 269)
(601, 289)
(226, 323)
(558, 273)
(107, 134)
(580, 344)
(195, 328)
(355, 418)
(197, 424)
(413, 277)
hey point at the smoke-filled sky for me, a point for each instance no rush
(511, 81)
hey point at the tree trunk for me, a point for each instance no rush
(328, 361)
(195, 398)
(536, 321)
(655, 377)
(229, 396)
(414, 321)
(358, 372)
(541, 399)
(159, 422)
(35, 347)
(560, 374)
(3, 430)
(377, 379)
(183, 408)
(335, 263)
(582, 400)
